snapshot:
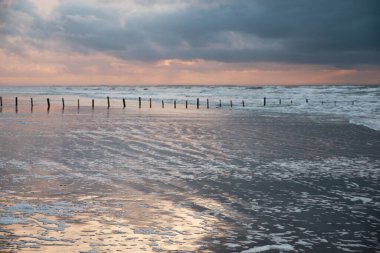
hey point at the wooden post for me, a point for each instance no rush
(93, 104)
(48, 103)
(63, 104)
(231, 103)
(16, 103)
(197, 103)
(265, 101)
(175, 104)
(291, 102)
(163, 104)
(334, 103)
(139, 102)
(220, 103)
(123, 102)
(208, 104)
(186, 104)
(78, 103)
(1, 101)
(150, 103)
(243, 103)
(31, 103)
(322, 102)
(108, 102)
(307, 100)
(279, 101)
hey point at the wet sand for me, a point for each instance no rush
(185, 180)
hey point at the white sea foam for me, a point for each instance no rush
(373, 123)
(232, 245)
(304, 243)
(280, 248)
(364, 200)
(12, 220)
(145, 231)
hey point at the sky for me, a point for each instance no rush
(194, 42)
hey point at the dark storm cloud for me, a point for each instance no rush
(339, 32)
(4, 4)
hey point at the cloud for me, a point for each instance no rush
(55, 68)
(4, 5)
(341, 33)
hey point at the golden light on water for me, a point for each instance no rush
(136, 224)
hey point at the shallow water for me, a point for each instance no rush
(186, 180)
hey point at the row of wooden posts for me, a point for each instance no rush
(150, 103)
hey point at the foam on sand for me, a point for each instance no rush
(280, 248)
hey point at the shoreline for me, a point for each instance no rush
(40, 106)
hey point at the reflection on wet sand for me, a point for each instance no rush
(104, 224)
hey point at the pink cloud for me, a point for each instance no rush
(67, 68)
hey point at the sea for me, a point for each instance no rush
(298, 174)
(358, 104)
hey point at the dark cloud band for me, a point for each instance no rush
(339, 32)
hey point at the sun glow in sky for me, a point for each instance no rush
(56, 42)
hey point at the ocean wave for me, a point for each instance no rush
(371, 123)
(358, 104)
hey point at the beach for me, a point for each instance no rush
(189, 126)
(185, 180)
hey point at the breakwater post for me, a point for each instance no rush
(353, 102)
